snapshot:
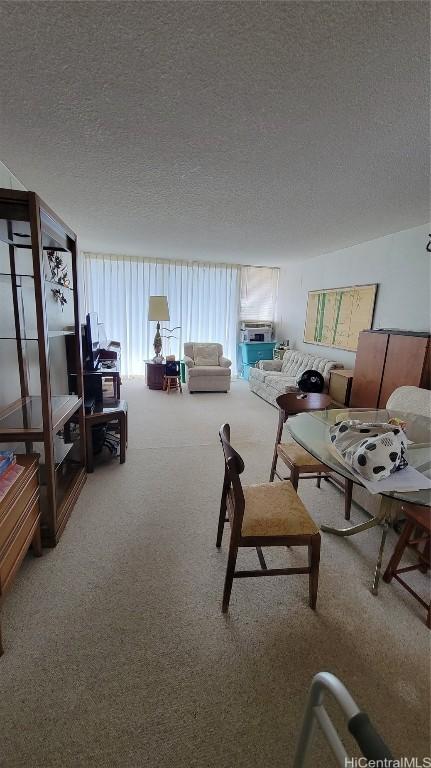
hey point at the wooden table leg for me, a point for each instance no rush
(122, 420)
(89, 441)
(36, 542)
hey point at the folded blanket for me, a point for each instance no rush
(373, 450)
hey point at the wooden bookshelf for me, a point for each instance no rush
(39, 310)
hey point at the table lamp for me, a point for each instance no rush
(158, 309)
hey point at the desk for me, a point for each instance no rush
(311, 430)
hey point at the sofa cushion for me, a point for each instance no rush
(208, 370)
(281, 384)
(206, 354)
(257, 374)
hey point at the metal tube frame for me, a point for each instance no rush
(324, 682)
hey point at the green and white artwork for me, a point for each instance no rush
(336, 316)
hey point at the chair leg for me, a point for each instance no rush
(233, 551)
(122, 422)
(319, 479)
(262, 560)
(313, 561)
(294, 477)
(398, 551)
(273, 465)
(222, 515)
(348, 489)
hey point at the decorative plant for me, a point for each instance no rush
(58, 275)
(171, 335)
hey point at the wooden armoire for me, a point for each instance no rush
(385, 360)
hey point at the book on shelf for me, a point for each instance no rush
(9, 478)
(7, 458)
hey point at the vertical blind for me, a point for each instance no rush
(203, 300)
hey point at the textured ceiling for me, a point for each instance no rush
(247, 131)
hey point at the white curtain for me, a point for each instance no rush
(203, 300)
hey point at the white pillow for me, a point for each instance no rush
(374, 450)
(205, 354)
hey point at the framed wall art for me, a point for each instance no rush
(335, 316)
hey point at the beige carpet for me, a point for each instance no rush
(116, 651)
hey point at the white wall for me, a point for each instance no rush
(399, 263)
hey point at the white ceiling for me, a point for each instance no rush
(243, 131)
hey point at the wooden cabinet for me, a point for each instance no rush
(19, 522)
(39, 309)
(369, 366)
(387, 360)
(251, 352)
(407, 363)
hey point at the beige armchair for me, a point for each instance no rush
(207, 369)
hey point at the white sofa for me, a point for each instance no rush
(272, 378)
(207, 369)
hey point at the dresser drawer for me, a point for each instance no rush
(11, 514)
(252, 352)
(12, 554)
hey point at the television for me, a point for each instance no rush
(92, 342)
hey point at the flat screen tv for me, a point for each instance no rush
(92, 339)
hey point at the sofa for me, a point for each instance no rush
(207, 369)
(272, 378)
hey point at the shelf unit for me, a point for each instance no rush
(38, 411)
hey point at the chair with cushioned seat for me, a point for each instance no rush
(207, 368)
(265, 515)
(301, 463)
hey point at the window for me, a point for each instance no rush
(259, 286)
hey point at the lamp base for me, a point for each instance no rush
(157, 344)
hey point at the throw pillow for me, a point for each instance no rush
(205, 354)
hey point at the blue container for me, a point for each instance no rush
(250, 352)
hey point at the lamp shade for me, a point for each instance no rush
(158, 308)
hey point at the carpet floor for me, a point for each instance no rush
(116, 650)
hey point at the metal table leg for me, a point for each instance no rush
(381, 519)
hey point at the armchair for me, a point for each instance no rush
(207, 369)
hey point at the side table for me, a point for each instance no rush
(155, 373)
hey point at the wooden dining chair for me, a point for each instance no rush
(265, 515)
(301, 464)
(416, 531)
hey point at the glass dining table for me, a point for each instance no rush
(311, 431)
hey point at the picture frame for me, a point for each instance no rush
(335, 316)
